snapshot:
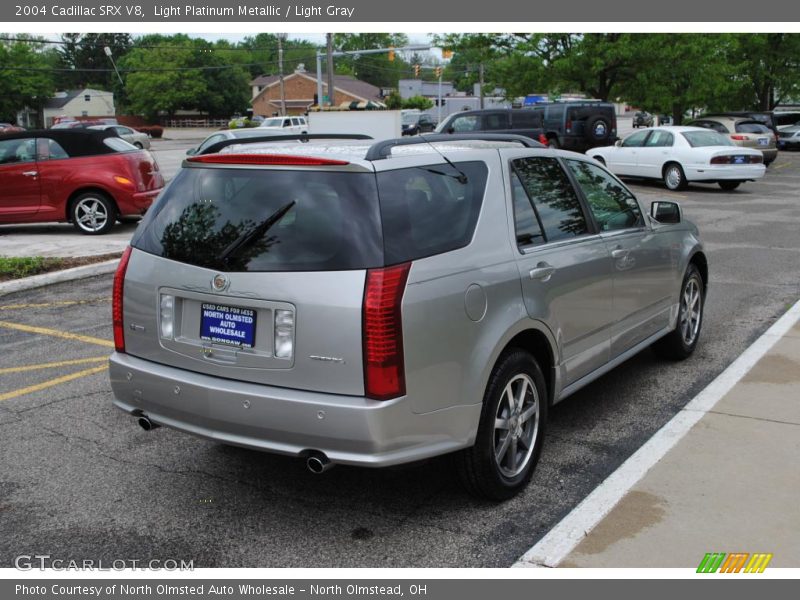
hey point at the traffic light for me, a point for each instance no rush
(416, 70)
(447, 53)
(391, 53)
(438, 71)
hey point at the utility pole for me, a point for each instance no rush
(481, 82)
(330, 69)
(439, 111)
(281, 38)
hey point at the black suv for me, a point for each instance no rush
(578, 125)
(520, 121)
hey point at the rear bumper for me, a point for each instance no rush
(137, 203)
(724, 172)
(348, 429)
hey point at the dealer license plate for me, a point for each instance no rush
(229, 325)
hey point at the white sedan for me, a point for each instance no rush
(679, 155)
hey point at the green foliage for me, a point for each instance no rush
(376, 69)
(393, 101)
(28, 80)
(12, 267)
(419, 102)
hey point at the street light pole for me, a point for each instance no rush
(107, 50)
(281, 38)
(331, 94)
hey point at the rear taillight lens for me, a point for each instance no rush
(739, 138)
(569, 125)
(732, 159)
(384, 370)
(116, 301)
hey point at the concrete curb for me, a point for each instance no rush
(29, 283)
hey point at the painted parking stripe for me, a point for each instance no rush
(53, 365)
(56, 333)
(50, 383)
(52, 304)
(556, 545)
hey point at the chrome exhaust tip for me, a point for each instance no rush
(318, 463)
(147, 424)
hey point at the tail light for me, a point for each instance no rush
(543, 139)
(116, 301)
(739, 138)
(730, 159)
(384, 370)
(569, 125)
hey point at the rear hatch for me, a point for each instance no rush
(256, 273)
(752, 134)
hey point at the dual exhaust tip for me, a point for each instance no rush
(316, 461)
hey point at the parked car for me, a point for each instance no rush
(85, 124)
(642, 119)
(744, 132)
(789, 138)
(520, 121)
(287, 125)
(320, 301)
(90, 178)
(9, 128)
(415, 122)
(764, 117)
(130, 135)
(230, 134)
(679, 155)
(578, 125)
(786, 119)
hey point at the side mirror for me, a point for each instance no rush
(191, 152)
(618, 143)
(666, 212)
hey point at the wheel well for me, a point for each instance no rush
(666, 164)
(699, 261)
(81, 191)
(537, 344)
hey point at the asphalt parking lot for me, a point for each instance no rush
(81, 480)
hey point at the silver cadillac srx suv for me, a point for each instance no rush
(380, 303)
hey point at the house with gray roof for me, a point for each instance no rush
(84, 102)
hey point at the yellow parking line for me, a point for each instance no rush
(47, 384)
(56, 333)
(49, 304)
(780, 166)
(53, 365)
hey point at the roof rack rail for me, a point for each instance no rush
(303, 137)
(381, 150)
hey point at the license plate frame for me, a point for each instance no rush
(228, 325)
(763, 141)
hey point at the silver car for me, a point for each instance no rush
(137, 138)
(377, 305)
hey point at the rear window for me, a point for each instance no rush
(526, 119)
(331, 223)
(118, 144)
(752, 127)
(700, 139)
(323, 220)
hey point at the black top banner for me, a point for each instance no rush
(386, 11)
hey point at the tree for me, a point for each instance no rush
(766, 69)
(26, 77)
(419, 102)
(677, 73)
(376, 69)
(85, 54)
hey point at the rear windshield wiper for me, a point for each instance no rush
(256, 233)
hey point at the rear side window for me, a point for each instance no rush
(118, 144)
(495, 121)
(330, 220)
(526, 224)
(553, 197)
(427, 211)
(525, 119)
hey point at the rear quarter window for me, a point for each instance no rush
(427, 211)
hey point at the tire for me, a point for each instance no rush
(93, 213)
(480, 471)
(553, 143)
(729, 185)
(598, 129)
(680, 343)
(674, 177)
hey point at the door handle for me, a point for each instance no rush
(619, 253)
(31, 173)
(543, 271)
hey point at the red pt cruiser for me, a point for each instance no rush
(91, 178)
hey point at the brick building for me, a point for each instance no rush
(300, 89)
